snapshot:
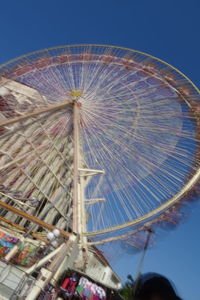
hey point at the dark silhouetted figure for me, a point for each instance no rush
(152, 286)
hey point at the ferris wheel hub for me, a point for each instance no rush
(75, 93)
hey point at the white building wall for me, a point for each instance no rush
(101, 272)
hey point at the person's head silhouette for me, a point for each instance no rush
(153, 286)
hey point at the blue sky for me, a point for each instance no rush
(166, 29)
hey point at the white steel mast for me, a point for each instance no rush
(80, 182)
(78, 207)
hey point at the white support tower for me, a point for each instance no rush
(82, 177)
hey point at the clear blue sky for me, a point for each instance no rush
(166, 29)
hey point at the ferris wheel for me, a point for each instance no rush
(112, 133)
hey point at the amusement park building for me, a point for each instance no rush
(40, 186)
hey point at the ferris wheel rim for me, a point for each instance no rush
(103, 45)
(186, 187)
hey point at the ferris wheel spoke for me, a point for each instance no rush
(145, 140)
